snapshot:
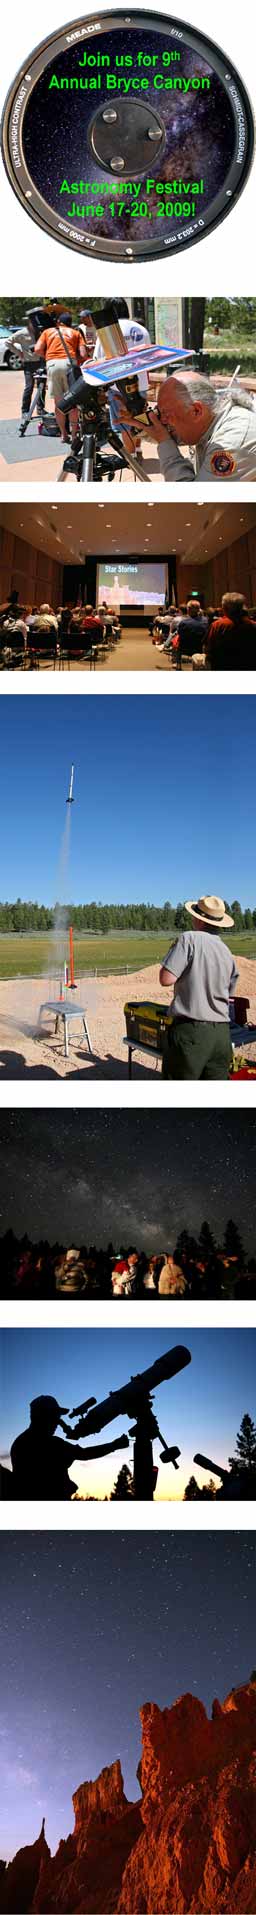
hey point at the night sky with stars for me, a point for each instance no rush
(135, 1176)
(91, 1628)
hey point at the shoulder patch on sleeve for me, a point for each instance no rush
(223, 464)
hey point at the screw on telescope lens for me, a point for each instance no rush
(209, 136)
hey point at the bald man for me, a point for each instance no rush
(219, 425)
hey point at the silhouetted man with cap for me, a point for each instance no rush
(41, 1460)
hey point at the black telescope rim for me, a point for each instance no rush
(38, 209)
(165, 1367)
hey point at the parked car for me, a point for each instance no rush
(14, 341)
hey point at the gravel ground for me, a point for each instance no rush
(25, 1054)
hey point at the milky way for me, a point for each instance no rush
(137, 1176)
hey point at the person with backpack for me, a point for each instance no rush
(59, 345)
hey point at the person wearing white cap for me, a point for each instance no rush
(202, 973)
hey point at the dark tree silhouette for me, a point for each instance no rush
(209, 1489)
(123, 1487)
(207, 1244)
(245, 1452)
(186, 1251)
(233, 1246)
(192, 1491)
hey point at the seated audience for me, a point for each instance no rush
(231, 642)
(190, 631)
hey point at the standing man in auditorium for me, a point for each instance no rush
(202, 973)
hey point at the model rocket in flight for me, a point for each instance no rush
(70, 799)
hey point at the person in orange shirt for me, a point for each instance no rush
(57, 347)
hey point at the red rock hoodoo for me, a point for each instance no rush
(189, 1847)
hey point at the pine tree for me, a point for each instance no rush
(186, 1249)
(209, 1489)
(207, 1245)
(245, 1452)
(123, 1487)
(233, 1246)
(192, 1491)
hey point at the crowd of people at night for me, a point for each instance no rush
(195, 1268)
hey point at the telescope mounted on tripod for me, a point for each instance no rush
(135, 1400)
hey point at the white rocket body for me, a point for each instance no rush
(70, 799)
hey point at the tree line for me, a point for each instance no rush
(27, 915)
(244, 1460)
(238, 314)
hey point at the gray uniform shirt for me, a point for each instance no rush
(227, 451)
(206, 977)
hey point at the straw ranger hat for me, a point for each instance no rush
(213, 910)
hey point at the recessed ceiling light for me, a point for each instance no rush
(187, 524)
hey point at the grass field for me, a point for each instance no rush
(232, 350)
(30, 956)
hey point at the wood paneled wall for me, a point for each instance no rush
(233, 570)
(37, 579)
(191, 578)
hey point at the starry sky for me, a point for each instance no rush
(92, 1628)
(136, 1176)
(199, 134)
(199, 1409)
(155, 798)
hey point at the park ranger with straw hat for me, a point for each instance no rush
(201, 970)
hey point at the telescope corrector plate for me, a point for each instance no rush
(181, 131)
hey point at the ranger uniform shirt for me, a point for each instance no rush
(227, 450)
(206, 977)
